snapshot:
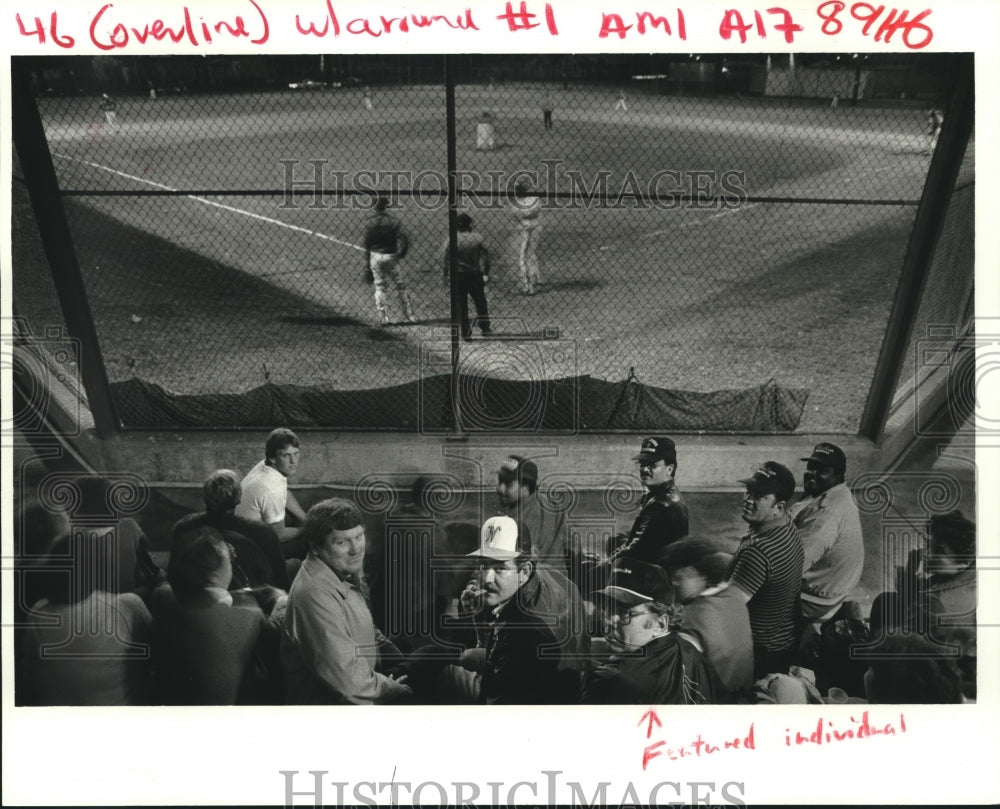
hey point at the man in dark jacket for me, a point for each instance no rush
(473, 274)
(261, 559)
(664, 516)
(519, 661)
(651, 663)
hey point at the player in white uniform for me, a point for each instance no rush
(385, 243)
(621, 103)
(527, 210)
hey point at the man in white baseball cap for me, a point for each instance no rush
(519, 661)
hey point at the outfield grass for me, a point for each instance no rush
(203, 295)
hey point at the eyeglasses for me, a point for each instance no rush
(651, 464)
(625, 618)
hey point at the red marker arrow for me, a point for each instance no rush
(651, 715)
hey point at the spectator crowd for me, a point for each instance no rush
(261, 601)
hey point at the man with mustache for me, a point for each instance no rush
(767, 568)
(664, 516)
(519, 661)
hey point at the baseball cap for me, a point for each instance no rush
(632, 582)
(657, 448)
(519, 468)
(828, 454)
(771, 478)
(502, 538)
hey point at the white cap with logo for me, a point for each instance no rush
(498, 539)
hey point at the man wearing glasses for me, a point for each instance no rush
(650, 662)
(767, 568)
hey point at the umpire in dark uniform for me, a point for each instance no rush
(473, 273)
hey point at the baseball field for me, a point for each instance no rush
(233, 281)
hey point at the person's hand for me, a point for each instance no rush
(398, 678)
(486, 278)
(473, 659)
(471, 599)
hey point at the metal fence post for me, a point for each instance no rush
(456, 344)
(46, 202)
(927, 227)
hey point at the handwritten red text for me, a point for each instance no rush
(522, 20)
(826, 732)
(381, 25)
(915, 32)
(733, 22)
(39, 31)
(108, 34)
(645, 20)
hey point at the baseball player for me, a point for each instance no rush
(367, 98)
(527, 210)
(547, 106)
(473, 273)
(108, 107)
(621, 103)
(935, 118)
(385, 244)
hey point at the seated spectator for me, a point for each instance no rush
(830, 528)
(936, 594)
(259, 549)
(36, 531)
(331, 651)
(136, 570)
(211, 646)
(518, 661)
(911, 670)
(84, 643)
(767, 568)
(652, 664)
(713, 610)
(266, 497)
(517, 493)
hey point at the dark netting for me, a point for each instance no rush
(725, 234)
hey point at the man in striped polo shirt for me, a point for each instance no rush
(767, 568)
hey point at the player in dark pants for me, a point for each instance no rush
(473, 273)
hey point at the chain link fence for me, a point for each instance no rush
(715, 246)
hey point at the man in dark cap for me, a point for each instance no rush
(830, 528)
(651, 664)
(664, 516)
(517, 493)
(767, 568)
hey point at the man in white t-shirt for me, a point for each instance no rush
(266, 497)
